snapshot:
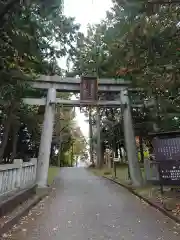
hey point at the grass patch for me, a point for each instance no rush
(52, 173)
(102, 172)
(121, 173)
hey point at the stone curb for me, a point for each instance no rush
(9, 224)
(174, 218)
(15, 199)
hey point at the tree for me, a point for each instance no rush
(27, 39)
(79, 142)
(137, 41)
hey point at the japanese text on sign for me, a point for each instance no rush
(170, 172)
(88, 89)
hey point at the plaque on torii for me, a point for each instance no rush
(88, 90)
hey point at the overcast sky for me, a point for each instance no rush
(86, 11)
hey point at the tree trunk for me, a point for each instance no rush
(14, 142)
(98, 132)
(7, 126)
(91, 137)
(121, 154)
(116, 150)
(59, 154)
(102, 154)
(141, 148)
(7, 151)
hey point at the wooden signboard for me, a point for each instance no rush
(88, 89)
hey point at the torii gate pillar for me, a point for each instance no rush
(129, 136)
(46, 138)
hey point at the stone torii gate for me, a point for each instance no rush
(56, 83)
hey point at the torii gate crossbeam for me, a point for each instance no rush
(78, 103)
(56, 83)
(73, 84)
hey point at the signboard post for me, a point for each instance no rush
(115, 160)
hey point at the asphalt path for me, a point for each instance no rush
(83, 207)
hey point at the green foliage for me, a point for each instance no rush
(139, 42)
(29, 31)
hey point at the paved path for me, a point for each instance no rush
(84, 207)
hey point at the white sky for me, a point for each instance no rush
(86, 11)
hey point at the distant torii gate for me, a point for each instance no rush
(57, 83)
